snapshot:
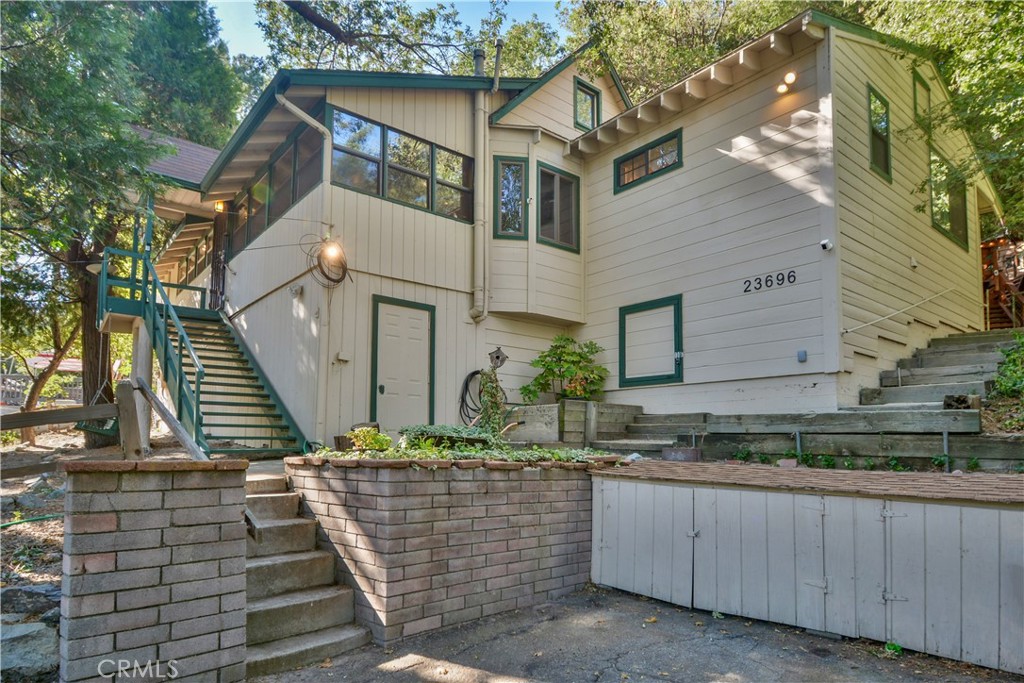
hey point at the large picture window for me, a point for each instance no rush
(510, 183)
(948, 199)
(372, 158)
(558, 221)
(879, 133)
(651, 342)
(650, 161)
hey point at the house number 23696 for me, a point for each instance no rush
(768, 281)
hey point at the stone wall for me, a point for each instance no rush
(154, 570)
(432, 545)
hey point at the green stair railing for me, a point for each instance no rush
(158, 314)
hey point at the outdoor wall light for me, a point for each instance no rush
(220, 207)
(331, 251)
(787, 80)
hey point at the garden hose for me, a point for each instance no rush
(31, 519)
(469, 405)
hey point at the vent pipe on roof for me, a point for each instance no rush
(498, 44)
(478, 62)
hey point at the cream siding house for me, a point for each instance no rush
(685, 234)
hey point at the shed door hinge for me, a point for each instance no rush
(889, 513)
(892, 597)
(693, 534)
(821, 583)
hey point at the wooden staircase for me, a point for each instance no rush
(296, 614)
(241, 414)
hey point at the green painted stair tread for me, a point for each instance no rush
(239, 437)
(238, 404)
(245, 394)
(221, 413)
(250, 451)
(239, 425)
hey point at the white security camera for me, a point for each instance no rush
(826, 245)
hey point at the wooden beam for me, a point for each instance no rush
(177, 429)
(670, 102)
(128, 421)
(813, 31)
(648, 112)
(589, 146)
(780, 43)
(721, 74)
(178, 207)
(750, 60)
(36, 418)
(625, 125)
(607, 135)
(696, 89)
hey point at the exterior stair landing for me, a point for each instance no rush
(295, 613)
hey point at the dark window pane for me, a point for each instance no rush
(879, 151)
(513, 200)
(454, 169)
(633, 169)
(408, 188)
(454, 202)
(357, 134)
(940, 191)
(665, 154)
(357, 172)
(566, 212)
(878, 115)
(547, 205)
(958, 210)
(586, 108)
(309, 166)
(257, 208)
(408, 152)
(240, 217)
(281, 191)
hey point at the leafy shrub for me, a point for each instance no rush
(826, 462)
(973, 465)
(1009, 381)
(743, 455)
(369, 438)
(849, 464)
(492, 403)
(567, 368)
(443, 434)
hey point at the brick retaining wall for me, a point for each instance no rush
(426, 548)
(154, 570)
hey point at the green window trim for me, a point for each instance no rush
(499, 161)
(541, 168)
(922, 113)
(382, 191)
(676, 302)
(882, 167)
(619, 186)
(958, 186)
(377, 300)
(581, 86)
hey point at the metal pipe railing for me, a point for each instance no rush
(895, 313)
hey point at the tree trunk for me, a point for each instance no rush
(59, 353)
(95, 354)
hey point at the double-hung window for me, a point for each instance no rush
(650, 161)
(948, 199)
(558, 220)
(879, 134)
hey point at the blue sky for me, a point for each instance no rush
(238, 19)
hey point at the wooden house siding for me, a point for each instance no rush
(882, 232)
(522, 340)
(551, 107)
(745, 204)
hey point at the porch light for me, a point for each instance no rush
(220, 207)
(331, 251)
(787, 80)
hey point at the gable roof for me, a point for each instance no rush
(558, 68)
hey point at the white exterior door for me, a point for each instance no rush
(403, 362)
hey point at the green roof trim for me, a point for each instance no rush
(545, 78)
(614, 73)
(819, 17)
(287, 78)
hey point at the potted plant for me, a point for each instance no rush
(568, 369)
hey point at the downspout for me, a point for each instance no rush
(324, 311)
(480, 114)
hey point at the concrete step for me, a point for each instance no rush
(265, 483)
(291, 614)
(300, 650)
(911, 407)
(929, 359)
(283, 536)
(673, 418)
(276, 574)
(859, 422)
(924, 392)
(646, 447)
(978, 337)
(273, 505)
(935, 375)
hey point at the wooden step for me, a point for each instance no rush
(858, 422)
(939, 374)
(672, 418)
(922, 393)
(926, 359)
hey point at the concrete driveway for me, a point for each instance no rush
(608, 636)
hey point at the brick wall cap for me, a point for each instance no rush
(471, 464)
(111, 466)
(504, 465)
(574, 465)
(384, 463)
(295, 460)
(344, 462)
(433, 464)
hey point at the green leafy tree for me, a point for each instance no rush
(189, 88)
(254, 73)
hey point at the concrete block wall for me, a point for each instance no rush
(154, 570)
(428, 547)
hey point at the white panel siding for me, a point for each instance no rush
(744, 205)
(523, 341)
(650, 343)
(881, 228)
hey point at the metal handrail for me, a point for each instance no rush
(158, 314)
(895, 313)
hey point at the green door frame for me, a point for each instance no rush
(379, 299)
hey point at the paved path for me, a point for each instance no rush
(607, 636)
